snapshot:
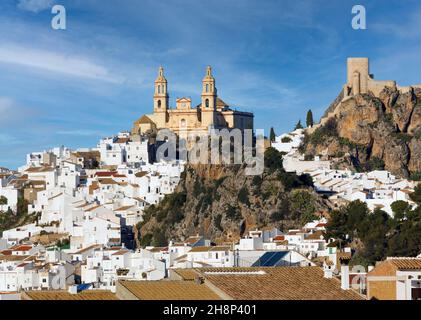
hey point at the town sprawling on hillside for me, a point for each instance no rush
(71, 220)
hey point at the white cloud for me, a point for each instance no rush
(55, 62)
(35, 5)
(81, 133)
(7, 139)
(5, 104)
(7, 109)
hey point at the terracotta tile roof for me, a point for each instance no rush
(280, 283)
(107, 181)
(406, 263)
(315, 236)
(92, 208)
(169, 290)
(22, 248)
(121, 252)
(158, 249)
(13, 258)
(39, 169)
(105, 173)
(124, 208)
(279, 238)
(206, 249)
(94, 186)
(181, 258)
(186, 274)
(141, 174)
(56, 196)
(83, 250)
(64, 295)
(144, 120)
(192, 240)
(391, 265)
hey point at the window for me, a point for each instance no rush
(159, 103)
(183, 122)
(207, 103)
(207, 87)
(159, 89)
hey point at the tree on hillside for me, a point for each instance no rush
(3, 200)
(298, 125)
(272, 135)
(309, 120)
(273, 160)
(416, 196)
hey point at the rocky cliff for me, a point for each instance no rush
(370, 132)
(222, 203)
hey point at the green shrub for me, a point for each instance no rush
(233, 213)
(146, 240)
(273, 160)
(415, 176)
(375, 163)
(286, 139)
(243, 196)
(217, 222)
(309, 157)
(3, 200)
(321, 134)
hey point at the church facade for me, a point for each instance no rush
(211, 113)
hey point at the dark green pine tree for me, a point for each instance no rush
(298, 125)
(309, 120)
(272, 135)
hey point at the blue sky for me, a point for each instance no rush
(275, 58)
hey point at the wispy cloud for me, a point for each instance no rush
(403, 28)
(35, 5)
(81, 133)
(7, 139)
(55, 62)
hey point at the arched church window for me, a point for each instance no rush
(207, 103)
(159, 103)
(162, 88)
(183, 123)
(159, 89)
(207, 87)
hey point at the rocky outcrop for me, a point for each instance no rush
(374, 132)
(222, 203)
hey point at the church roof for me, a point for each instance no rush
(144, 119)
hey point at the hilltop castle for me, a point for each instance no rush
(211, 113)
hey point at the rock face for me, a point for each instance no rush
(222, 203)
(372, 132)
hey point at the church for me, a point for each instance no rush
(211, 113)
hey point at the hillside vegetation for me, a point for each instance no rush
(222, 203)
(370, 133)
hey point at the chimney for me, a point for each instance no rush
(345, 277)
(73, 289)
(328, 272)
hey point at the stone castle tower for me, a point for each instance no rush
(360, 81)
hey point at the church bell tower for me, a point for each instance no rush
(161, 99)
(209, 97)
